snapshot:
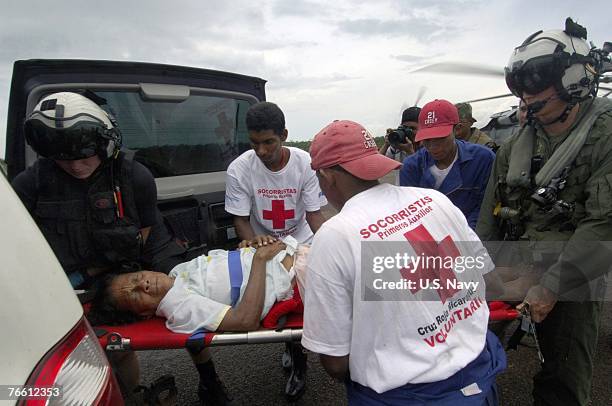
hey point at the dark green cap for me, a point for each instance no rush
(465, 112)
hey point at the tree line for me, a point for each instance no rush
(305, 145)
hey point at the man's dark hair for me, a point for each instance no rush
(265, 116)
(411, 114)
(103, 309)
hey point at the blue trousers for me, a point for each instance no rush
(482, 371)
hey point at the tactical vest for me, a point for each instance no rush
(537, 225)
(79, 218)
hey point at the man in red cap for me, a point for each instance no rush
(389, 342)
(454, 167)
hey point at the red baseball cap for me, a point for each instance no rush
(436, 120)
(350, 145)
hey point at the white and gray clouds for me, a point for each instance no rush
(322, 60)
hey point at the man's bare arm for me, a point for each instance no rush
(244, 228)
(315, 219)
(336, 367)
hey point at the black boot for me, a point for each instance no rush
(211, 390)
(297, 380)
(162, 392)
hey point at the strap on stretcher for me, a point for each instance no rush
(235, 274)
(198, 340)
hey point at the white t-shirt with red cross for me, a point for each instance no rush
(276, 201)
(409, 332)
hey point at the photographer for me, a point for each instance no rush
(399, 143)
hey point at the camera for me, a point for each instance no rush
(401, 135)
(545, 196)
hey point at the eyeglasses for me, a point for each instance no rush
(434, 142)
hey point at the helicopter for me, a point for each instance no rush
(503, 124)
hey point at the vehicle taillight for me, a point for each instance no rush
(79, 366)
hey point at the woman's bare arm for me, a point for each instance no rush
(247, 314)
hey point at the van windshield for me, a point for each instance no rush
(201, 134)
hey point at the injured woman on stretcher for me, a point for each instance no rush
(221, 291)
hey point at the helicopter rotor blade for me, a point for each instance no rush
(501, 96)
(420, 95)
(460, 68)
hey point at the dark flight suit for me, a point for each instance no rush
(568, 335)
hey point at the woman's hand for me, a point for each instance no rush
(268, 251)
(257, 241)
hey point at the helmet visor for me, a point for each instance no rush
(79, 141)
(534, 76)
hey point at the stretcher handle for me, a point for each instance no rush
(503, 314)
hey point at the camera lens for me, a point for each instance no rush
(394, 137)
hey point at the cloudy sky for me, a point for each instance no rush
(323, 60)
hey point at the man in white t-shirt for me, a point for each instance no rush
(393, 334)
(457, 168)
(272, 190)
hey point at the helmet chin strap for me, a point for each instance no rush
(535, 107)
(564, 115)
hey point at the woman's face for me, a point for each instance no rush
(140, 292)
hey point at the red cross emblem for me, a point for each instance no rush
(425, 246)
(278, 214)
